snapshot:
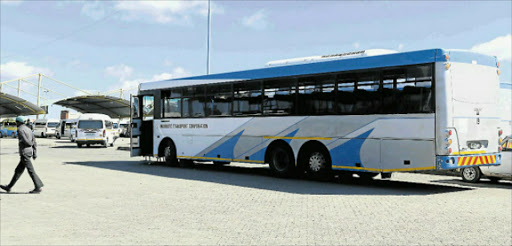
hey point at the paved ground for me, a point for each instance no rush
(97, 196)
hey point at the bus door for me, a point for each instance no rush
(135, 125)
(141, 139)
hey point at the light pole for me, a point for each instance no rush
(208, 41)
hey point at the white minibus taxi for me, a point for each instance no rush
(45, 127)
(65, 128)
(95, 129)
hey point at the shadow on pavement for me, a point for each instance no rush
(481, 184)
(259, 177)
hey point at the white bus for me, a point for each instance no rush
(353, 113)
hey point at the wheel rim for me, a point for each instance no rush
(167, 153)
(316, 162)
(469, 173)
(280, 160)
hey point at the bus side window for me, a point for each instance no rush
(193, 101)
(316, 95)
(218, 100)
(247, 98)
(279, 97)
(171, 102)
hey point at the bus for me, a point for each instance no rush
(8, 127)
(361, 113)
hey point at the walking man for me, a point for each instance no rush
(28, 149)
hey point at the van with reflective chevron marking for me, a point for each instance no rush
(363, 113)
(95, 129)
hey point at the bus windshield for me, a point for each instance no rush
(52, 124)
(90, 124)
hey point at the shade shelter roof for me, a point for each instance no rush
(15, 106)
(114, 107)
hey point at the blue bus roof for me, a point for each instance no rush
(329, 66)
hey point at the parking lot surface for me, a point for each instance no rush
(101, 196)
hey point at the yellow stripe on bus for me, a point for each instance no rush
(468, 152)
(387, 170)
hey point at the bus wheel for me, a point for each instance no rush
(79, 145)
(471, 174)
(42, 134)
(13, 135)
(281, 161)
(317, 164)
(1, 135)
(170, 154)
(88, 145)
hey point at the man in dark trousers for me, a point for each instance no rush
(28, 149)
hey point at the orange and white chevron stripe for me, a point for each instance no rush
(476, 160)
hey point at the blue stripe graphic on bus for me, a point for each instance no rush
(291, 134)
(349, 153)
(260, 154)
(225, 150)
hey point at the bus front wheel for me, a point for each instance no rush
(281, 161)
(170, 154)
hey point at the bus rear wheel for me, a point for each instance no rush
(13, 135)
(317, 164)
(281, 161)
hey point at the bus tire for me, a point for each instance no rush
(281, 160)
(13, 135)
(471, 174)
(1, 135)
(169, 154)
(79, 145)
(316, 161)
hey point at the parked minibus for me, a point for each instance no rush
(45, 127)
(95, 129)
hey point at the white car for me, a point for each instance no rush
(494, 173)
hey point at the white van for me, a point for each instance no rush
(65, 128)
(95, 129)
(45, 127)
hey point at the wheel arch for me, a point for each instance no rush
(310, 146)
(277, 142)
(166, 140)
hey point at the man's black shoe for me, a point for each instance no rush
(6, 188)
(36, 191)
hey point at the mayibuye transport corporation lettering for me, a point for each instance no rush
(184, 126)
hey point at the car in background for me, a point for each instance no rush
(8, 128)
(494, 173)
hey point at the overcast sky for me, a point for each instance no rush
(104, 45)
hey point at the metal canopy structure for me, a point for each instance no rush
(114, 107)
(15, 106)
